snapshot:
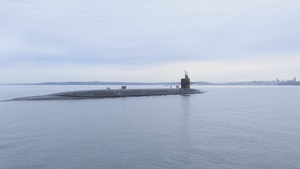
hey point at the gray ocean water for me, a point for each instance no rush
(228, 127)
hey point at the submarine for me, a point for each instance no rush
(115, 93)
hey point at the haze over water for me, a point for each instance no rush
(228, 127)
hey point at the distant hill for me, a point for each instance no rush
(121, 83)
(204, 83)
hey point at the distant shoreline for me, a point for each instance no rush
(250, 83)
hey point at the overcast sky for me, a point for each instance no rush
(149, 40)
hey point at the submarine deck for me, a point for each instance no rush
(110, 93)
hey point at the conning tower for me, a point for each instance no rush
(185, 82)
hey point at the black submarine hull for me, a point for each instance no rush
(110, 93)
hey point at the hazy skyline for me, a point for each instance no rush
(147, 41)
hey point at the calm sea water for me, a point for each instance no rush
(228, 127)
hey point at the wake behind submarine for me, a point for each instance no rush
(114, 93)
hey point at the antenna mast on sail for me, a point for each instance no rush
(186, 74)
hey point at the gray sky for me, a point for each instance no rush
(149, 40)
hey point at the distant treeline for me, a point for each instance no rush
(107, 83)
(121, 83)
